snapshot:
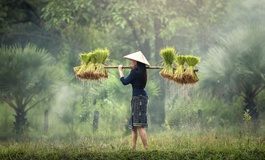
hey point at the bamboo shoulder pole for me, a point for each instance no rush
(128, 67)
(148, 67)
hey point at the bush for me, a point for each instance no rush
(200, 112)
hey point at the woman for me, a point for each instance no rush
(138, 79)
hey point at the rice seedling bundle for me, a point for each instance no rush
(189, 76)
(178, 74)
(92, 65)
(169, 56)
(101, 56)
(80, 70)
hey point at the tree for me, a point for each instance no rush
(241, 53)
(21, 23)
(237, 65)
(17, 12)
(27, 77)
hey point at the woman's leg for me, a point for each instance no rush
(143, 136)
(134, 138)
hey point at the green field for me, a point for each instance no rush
(161, 146)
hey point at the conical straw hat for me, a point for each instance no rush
(137, 56)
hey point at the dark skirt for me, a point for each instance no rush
(138, 111)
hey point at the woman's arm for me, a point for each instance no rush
(129, 78)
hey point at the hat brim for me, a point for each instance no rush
(137, 56)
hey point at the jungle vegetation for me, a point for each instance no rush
(42, 100)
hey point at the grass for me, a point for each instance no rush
(161, 146)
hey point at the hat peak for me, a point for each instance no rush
(137, 56)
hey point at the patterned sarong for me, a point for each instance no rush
(138, 111)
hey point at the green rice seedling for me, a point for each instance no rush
(168, 55)
(85, 60)
(101, 56)
(178, 74)
(80, 70)
(189, 76)
(91, 67)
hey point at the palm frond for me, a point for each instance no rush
(238, 58)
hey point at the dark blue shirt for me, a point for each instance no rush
(136, 81)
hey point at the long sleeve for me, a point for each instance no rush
(129, 78)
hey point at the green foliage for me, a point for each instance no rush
(190, 24)
(123, 12)
(58, 14)
(239, 53)
(16, 12)
(237, 64)
(28, 77)
(20, 73)
(140, 22)
(75, 109)
(69, 28)
(246, 116)
(6, 121)
(187, 109)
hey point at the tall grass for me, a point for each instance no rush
(166, 145)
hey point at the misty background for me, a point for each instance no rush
(40, 97)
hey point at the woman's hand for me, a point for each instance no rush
(120, 67)
(120, 71)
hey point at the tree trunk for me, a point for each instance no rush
(147, 49)
(95, 121)
(200, 120)
(21, 123)
(46, 121)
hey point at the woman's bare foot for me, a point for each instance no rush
(133, 148)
